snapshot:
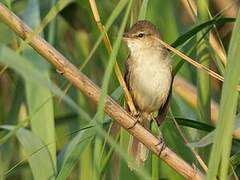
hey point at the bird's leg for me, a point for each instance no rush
(162, 144)
(161, 141)
(137, 116)
(151, 119)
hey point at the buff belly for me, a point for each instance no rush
(150, 83)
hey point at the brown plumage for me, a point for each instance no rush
(148, 77)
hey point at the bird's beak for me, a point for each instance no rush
(125, 36)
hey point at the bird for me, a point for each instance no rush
(149, 78)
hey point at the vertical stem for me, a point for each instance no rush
(203, 79)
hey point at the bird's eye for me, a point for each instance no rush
(140, 35)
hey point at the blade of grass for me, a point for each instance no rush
(41, 163)
(116, 95)
(143, 10)
(109, 49)
(98, 143)
(134, 14)
(183, 39)
(109, 68)
(86, 164)
(222, 141)
(155, 165)
(235, 160)
(186, 36)
(194, 124)
(52, 26)
(180, 62)
(118, 9)
(47, 19)
(194, 62)
(73, 150)
(199, 159)
(10, 134)
(106, 79)
(203, 79)
(213, 44)
(42, 123)
(115, 13)
(106, 159)
(204, 141)
(18, 98)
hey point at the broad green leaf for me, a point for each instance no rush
(194, 124)
(208, 139)
(41, 163)
(9, 135)
(42, 122)
(36, 153)
(193, 32)
(204, 141)
(73, 150)
(186, 36)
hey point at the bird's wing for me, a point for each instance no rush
(127, 78)
(162, 112)
(127, 72)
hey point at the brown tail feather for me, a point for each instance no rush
(138, 150)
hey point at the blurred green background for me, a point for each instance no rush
(47, 128)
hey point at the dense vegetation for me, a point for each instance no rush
(47, 126)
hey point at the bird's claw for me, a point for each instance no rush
(162, 144)
(137, 116)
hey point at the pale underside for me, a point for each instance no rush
(150, 79)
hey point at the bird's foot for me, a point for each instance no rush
(162, 145)
(137, 116)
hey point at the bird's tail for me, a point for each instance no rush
(136, 149)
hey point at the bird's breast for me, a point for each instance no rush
(150, 81)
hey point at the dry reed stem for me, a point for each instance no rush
(108, 45)
(191, 8)
(194, 62)
(218, 48)
(222, 4)
(3, 69)
(230, 12)
(87, 87)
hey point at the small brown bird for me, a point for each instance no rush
(148, 77)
